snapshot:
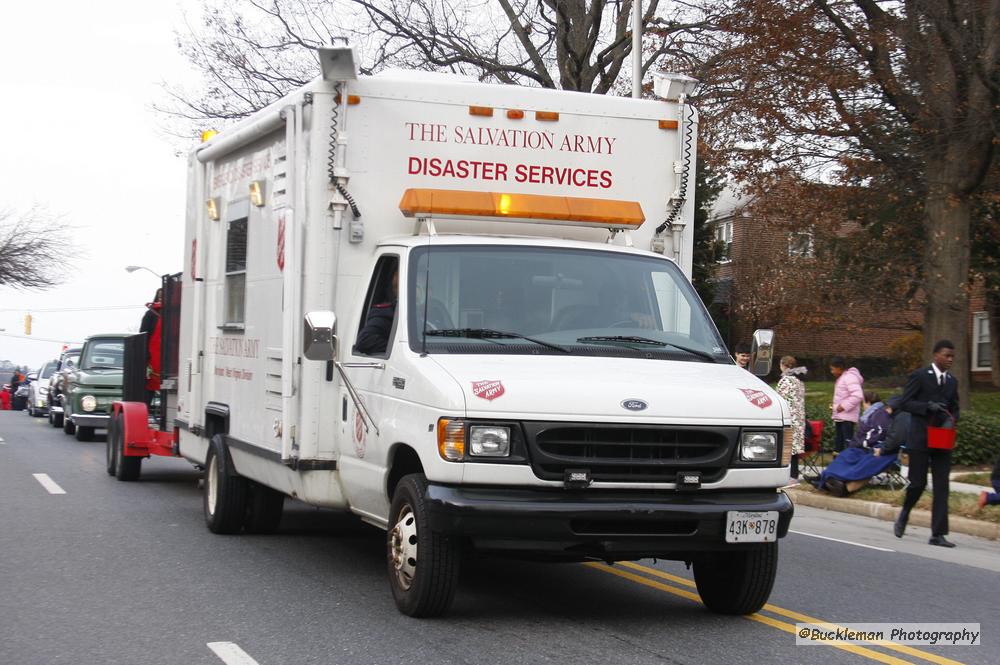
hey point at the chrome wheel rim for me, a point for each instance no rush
(211, 486)
(403, 547)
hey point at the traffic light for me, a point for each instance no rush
(27, 324)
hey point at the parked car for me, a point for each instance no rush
(38, 390)
(93, 385)
(57, 385)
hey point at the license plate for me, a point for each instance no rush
(751, 527)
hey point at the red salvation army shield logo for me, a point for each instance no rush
(488, 390)
(756, 397)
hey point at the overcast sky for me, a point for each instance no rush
(80, 139)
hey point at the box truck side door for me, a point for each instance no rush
(368, 354)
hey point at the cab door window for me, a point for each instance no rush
(378, 318)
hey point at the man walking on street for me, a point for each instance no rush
(847, 398)
(931, 397)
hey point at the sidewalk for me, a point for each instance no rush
(887, 512)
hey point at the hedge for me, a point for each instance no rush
(978, 436)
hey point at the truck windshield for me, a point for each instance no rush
(103, 354)
(47, 371)
(517, 299)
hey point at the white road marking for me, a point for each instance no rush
(2, 442)
(837, 540)
(48, 483)
(231, 653)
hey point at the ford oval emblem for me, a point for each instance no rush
(634, 404)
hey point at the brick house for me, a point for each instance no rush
(860, 333)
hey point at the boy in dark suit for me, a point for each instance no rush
(931, 398)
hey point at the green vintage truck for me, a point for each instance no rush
(93, 384)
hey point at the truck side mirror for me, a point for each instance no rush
(320, 341)
(762, 352)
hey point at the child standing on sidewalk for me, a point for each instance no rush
(847, 398)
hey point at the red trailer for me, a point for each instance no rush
(142, 423)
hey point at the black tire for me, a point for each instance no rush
(225, 497)
(31, 411)
(737, 582)
(110, 449)
(423, 584)
(56, 419)
(68, 426)
(264, 508)
(127, 468)
(84, 433)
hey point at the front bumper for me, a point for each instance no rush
(612, 525)
(98, 420)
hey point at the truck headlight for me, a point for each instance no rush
(489, 441)
(451, 439)
(88, 403)
(759, 447)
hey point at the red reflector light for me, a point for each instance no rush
(550, 116)
(485, 111)
(668, 124)
(515, 114)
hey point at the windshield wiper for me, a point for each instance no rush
(489, 334)
(632, 339)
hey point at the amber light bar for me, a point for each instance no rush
(438, 203)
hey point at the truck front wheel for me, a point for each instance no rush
(737, 582)
(84, 433)
(225, 499)
(423, 564)
(68, 426)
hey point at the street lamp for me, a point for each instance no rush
(134, 268)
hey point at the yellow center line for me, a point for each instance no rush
(780, 625)
(798, 616)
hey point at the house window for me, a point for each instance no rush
(982, 355)
(800, 245)
(236, 272)
(724, 241)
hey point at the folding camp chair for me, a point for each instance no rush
(893, 477)
(812, 456)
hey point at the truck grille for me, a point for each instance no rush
(629, 453)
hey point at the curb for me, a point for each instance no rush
(884, 511)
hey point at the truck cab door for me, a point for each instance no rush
(368, 360)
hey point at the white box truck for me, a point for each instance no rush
(451, 308)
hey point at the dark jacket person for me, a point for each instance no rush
(374, 336)
(931, 398)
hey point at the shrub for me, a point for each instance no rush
(907, 352)
(978, 439)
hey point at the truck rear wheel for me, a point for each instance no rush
(737, 582)
(264, 507)
(84, 433)
(423, 564)
(225, 498)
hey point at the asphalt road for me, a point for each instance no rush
(110, 572)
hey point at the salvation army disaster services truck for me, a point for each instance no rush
(455, 310)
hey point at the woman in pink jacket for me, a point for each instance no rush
(847, 397)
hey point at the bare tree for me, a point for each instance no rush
(840, 87)
(32, 250)
(250, 53)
